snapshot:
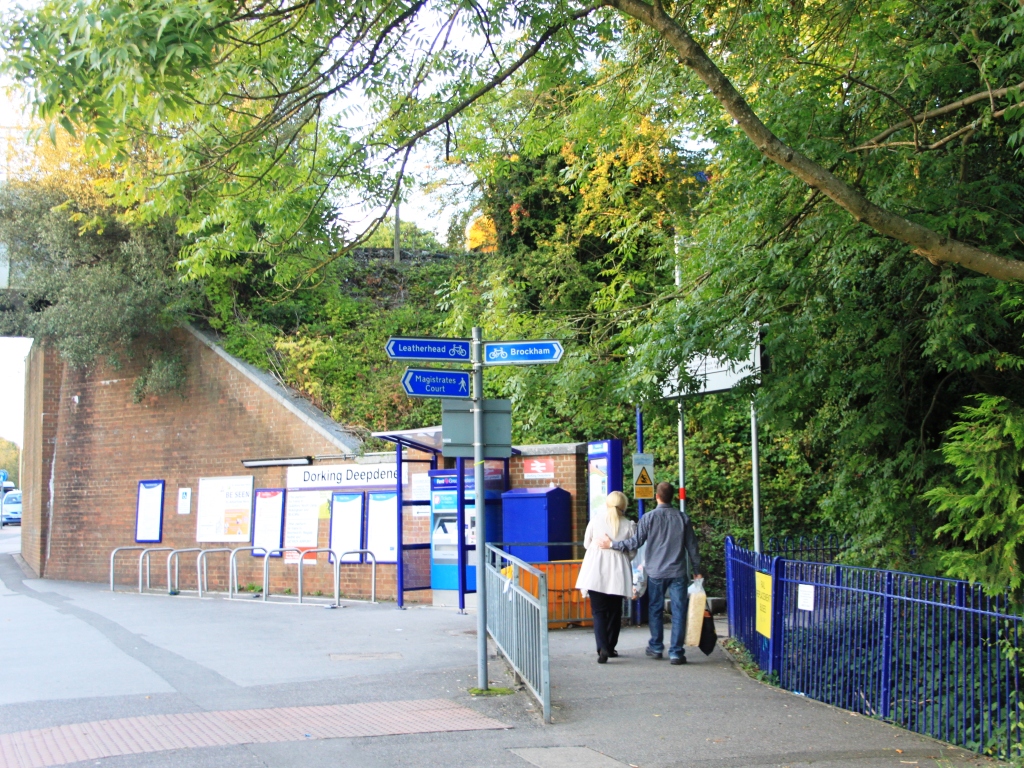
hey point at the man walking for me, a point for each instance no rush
(670, 540)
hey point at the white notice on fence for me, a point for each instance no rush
(302, 522)
(805, 597)
(269, 519)
(224, 510)
(382, 527)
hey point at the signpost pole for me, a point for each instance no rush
(757, 479)
(477, 357)
(640, 505)
(682, 455)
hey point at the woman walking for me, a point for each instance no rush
(606, 575)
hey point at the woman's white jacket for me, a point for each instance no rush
(606, 570)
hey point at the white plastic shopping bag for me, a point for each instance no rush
(639, 574)
(695, 612)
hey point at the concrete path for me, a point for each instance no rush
(79, 660)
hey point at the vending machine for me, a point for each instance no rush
(444, 513)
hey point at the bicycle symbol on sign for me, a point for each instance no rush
(454, 351)
(498, 353)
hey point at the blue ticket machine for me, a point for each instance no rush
(444, 513)
(604, 472)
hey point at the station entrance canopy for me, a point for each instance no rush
(427, 440)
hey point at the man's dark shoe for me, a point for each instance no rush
(652, 654)
(680, 660)
(602, 657)
(613, 654)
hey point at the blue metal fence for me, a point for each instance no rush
(817, 549)
(933, 655)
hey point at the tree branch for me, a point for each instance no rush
(924, 241)
(998, 93)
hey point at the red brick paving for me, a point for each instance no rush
(154, 733)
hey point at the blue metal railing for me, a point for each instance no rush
(817, 549)
(936, 656)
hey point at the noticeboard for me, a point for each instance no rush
(347, 525)
(149, 512)
(268, 520)
(382, 526)
(303, 512)
(224, 510)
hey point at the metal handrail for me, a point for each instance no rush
(233, 567)
(145, 555)
(373, 571)
(202, 575)
(175, 556)
(112, 555)
(266, 568)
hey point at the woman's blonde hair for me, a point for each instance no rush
(616, 502)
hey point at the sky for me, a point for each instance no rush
(12, 388)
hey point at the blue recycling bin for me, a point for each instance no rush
(537, 515)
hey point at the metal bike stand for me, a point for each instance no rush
(201, 573)
(373, 572)
(233, 568)
(145, 555)
(112, 555)
(174, 555)
(266, 569)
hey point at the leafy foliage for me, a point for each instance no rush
(10, 459)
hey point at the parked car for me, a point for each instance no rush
(10, 508)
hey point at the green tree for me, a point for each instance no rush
(262, 121)
(10, 459)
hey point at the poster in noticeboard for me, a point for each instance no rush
(268, 521)
(303, 512)
(149, 512)
(347, 525)
(224, 510)
(382, 526)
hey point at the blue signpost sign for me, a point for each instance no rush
(3, 475)
(426, 382)
(522, 352)
(452, 350)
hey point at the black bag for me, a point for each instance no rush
(708, 636)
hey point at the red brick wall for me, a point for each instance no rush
(570, 474)
(103, 444)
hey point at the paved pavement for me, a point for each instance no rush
(179, 679)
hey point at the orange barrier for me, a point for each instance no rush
(566, 606)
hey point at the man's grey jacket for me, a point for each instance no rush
(669, 536)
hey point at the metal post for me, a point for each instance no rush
(400, 567)
(460, 530)
(682, 455)
(885, 703)
(757, 479)
(640, 506)
(398, 240)
(481, 507)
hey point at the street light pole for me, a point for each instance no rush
(477, 358)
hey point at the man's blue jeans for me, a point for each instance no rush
(680, 601)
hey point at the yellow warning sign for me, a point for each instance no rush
(643, 487)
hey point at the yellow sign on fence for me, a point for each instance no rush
(763, 599)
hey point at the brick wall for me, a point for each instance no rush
(570, 461)
(102, 444)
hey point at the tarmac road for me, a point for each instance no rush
(78, 654)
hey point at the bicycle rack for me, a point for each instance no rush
(175, 557)
(202, 575)
(113, 555)
(373, 572)
(233, 568)
(302, 554)
(146, 555)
